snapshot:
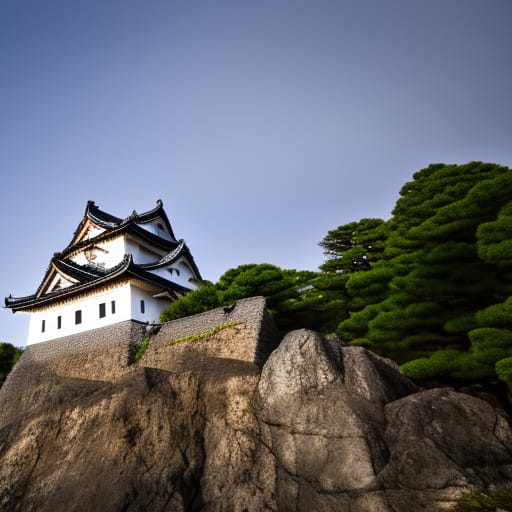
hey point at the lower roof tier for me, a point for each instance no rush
(90, 278)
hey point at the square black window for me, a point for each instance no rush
(142, 307)
(113, 307)
(59, 322)
(78, 316)
(103, 310)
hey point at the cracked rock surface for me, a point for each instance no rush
(350, 433)
(320, 428)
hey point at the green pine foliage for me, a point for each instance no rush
(430, 288)
(504, 369)
(294, 298)
(204, 298)
(444, 273)
(354, 246)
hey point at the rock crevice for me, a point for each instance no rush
(320, 427)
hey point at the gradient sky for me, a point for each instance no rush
(261, 124)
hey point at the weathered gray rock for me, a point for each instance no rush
(348, 432)
(138, 439)
(323, 428)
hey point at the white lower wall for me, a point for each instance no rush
(127, 299)
(152, 307)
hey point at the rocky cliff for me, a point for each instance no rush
(320, 427)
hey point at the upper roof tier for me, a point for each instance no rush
(98, 222)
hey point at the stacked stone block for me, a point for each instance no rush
(107, 353)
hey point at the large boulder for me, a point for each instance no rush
(349, 432)
(321, 428)
(143, 438)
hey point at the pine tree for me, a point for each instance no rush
(422, 298)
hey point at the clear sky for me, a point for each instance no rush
(261, 124)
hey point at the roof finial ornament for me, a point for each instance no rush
(159, 203)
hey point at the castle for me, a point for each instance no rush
(113, 270)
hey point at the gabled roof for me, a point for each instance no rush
(126, 228)
(114, 225)
(64, 277)
(89, 276)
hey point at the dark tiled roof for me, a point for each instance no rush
(130, 228)
(108, 220)
(170, 257)
(90, 276)
(115, 224)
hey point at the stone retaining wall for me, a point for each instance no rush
(260, 329)
(107, 353)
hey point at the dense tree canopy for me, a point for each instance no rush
(355, 246)
(433, 298)
(295, 298)
(431, 287)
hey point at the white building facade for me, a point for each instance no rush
(113, 270)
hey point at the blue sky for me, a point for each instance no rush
(260, 124)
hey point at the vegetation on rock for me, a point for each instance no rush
(203, 335)
(294, 298)
(142, 348)
(500, 500)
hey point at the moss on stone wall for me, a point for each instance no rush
(203, 335)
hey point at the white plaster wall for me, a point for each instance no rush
(112, 254)
(127, 298)
(79, 259)
(90, 315)
(182, 277)
(115, 251)
(185, 273)
(152, 307)
(142, 255)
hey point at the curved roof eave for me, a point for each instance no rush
(157, 212)
(124, 228)
(126, 267)
(172, 256)
(109, 222)
(71, 271)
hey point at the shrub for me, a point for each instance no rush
(9, 355)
